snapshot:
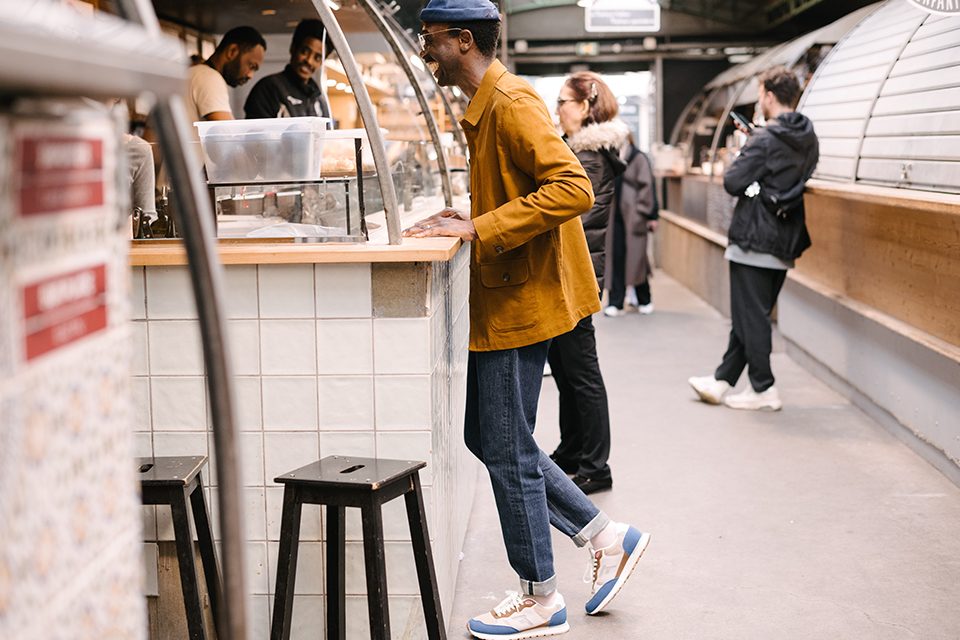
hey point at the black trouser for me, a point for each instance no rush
(617, 281)
(584, 416)
(753, 292)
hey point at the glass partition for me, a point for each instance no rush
(410, 150)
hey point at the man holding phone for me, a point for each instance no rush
(741, 123)
(767, 234)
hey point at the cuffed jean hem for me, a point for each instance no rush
(593, 527)
(545, 588)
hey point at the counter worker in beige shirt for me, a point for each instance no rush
(528, 191)
(236, 59)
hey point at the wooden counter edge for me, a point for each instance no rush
(412, 250)
(910, 198)
(932, 342)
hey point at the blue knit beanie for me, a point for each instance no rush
(459, 11)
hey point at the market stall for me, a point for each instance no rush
(704, 142)
(345, 339)
(882, 278)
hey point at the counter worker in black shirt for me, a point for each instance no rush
(293, 92)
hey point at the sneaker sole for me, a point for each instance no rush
(766, 407)
(627, 570)
(706, 397)
(539, 632)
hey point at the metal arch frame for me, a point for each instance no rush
(398, 51)
(457, 131)
(195, 218)
(391, 208)
(731, 104)
(693, 129)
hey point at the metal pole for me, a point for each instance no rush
(658, 75)
(195, 220)
(504, 47)
(141, 12)
(398, 51)
(370, 123)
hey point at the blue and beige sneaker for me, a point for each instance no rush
(520, 617)
(613, 565)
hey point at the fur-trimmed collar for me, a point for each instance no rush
(605, 135)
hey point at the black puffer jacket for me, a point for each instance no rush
(778, 157)
(597, 146)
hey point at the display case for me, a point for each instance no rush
(412, 158)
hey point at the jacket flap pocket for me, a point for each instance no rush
(504, 274)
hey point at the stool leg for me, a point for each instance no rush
(336, 573)
(286, 564)
(188, 568)
(374, 561)
(423, 555)
(208, 555)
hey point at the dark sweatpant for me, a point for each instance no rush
(753, 293)
(584, 416)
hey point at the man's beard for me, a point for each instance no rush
(231, 73)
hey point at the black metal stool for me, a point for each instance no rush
(172, 481)
(367, 483)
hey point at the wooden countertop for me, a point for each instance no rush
(913, 198)
(284, 251)
(171, 253)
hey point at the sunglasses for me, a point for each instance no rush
(426, 38)
(561, 101)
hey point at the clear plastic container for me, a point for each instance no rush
(263, 150)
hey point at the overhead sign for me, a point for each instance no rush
(943, 7)
(622, 16)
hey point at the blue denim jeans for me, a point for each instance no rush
(503, 389)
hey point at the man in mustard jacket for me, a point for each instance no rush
(531, 279)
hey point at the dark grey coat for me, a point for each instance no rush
(636, 205)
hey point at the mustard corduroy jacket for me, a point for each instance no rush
(531, 277)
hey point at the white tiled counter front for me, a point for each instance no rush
(364, 359)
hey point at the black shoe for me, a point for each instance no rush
(592, 485)
(569, 468)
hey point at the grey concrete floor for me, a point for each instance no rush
(809, 523)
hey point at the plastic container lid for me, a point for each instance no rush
(268, 126)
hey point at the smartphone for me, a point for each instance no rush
(742, 123)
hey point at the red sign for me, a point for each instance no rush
(63, 309)
(43, 155)
(59, 174)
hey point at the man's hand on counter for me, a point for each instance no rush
(448, 222)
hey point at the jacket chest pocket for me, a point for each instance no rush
(508, 306)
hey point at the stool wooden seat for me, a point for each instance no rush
(173, 481)
(367, 483)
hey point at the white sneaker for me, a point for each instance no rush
(645, 309)
(612, 566)
(612, 312)
(520, 617)
(631, 298)
(750, 400)
(709, 388)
